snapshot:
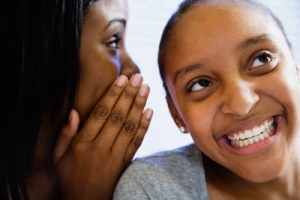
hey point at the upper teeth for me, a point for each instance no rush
(264, 127)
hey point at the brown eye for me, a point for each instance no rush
(261, 60)
(113, 42)
(201, 84)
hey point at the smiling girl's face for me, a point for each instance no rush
(234, 84)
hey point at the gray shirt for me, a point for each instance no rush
(176, 174)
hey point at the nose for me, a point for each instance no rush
(129, 67)
(239, 98)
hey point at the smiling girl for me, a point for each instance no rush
(232, 82)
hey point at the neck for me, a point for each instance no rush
(224, 184)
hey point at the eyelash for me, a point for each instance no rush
(201, 81)
(270, 57)
(114, 40)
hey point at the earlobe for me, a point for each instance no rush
(176, 116)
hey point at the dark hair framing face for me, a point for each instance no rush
(39, 69)
(187, 5)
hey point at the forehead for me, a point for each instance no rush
(108, 9)
(207, 30)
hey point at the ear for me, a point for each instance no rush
(176, 116)
(296, 65)
(297, 68)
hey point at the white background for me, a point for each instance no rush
(147, 19)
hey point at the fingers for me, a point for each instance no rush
(137, 140)
(131, 126)
(102, 110)
(66, 135)
(117, 123)
(119, 119)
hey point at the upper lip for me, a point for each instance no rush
(244, 125)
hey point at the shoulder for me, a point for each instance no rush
(171, 159)
(168, 174)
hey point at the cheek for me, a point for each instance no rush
(98, 70)
(283, 89)
(97, 73)
(91, 88)
(199, 121)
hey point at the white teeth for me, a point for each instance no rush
(236, 137)
(251, 141)
(266, 124)
(256, 131)
(261, 136)
(256, 139)
(246, 142)
(241, 143)
(242, 136)
(262, 128)
(252, 136)
(248, 134)
(266, 135)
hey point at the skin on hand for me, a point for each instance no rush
(90, 162)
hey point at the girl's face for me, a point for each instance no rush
(103, 56)
(234, 84)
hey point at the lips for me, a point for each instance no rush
(252, 136)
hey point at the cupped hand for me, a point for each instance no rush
(90, 161)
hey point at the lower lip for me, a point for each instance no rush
(256, 147)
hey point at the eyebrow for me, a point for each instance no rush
(180, 72)
(251, 41)
(255, 40)
(116, 20)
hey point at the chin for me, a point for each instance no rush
(261, 172)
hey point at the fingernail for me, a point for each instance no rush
(121, 80)
(70, 116)
(149, 113)
(136, 80)
(143, 90)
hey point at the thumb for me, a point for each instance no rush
(65, 136)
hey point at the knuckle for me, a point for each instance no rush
(129, 94)
(137, 141)
(116, 117)
(144, 127)
(100, 111)
(138, 105)
(129, 127)
(113, 93)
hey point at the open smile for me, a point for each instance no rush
(253, 139)
(251, 136)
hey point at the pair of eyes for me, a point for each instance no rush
(259, 61)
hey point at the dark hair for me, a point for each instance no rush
(39, 68)
(187, 5)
